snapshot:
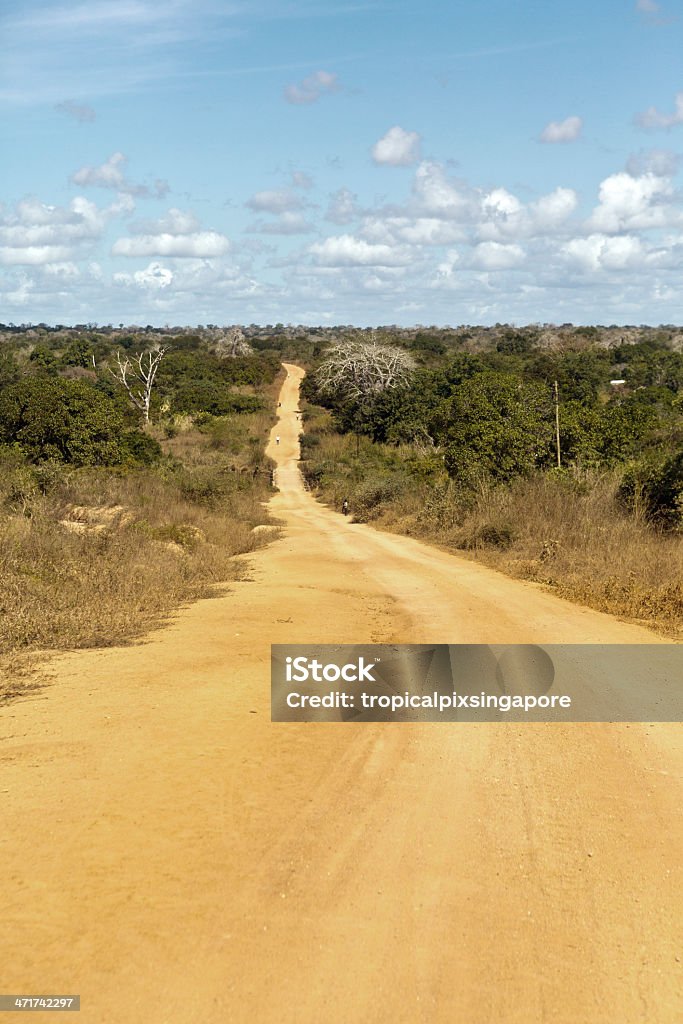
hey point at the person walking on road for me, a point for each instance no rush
(345, 506)
(277, 439)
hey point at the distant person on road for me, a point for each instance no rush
(345, 506)
(277, 439)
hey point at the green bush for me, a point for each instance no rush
(369, 498)
(52, 419)
(659, 487)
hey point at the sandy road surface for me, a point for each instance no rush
(173, 856)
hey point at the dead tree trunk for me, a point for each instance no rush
(137, 377)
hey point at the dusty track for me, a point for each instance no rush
(174, 857)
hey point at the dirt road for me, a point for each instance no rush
(173, 856)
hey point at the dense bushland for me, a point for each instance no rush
(465, 454)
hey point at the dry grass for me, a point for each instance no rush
(567, 532)
(92, 558)
(572, 535)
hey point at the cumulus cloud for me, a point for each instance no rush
(81, 112)
(437, 195)
(413, 230)
(627, 203)
(604, 252)
(37, 233)
(553, 209)
(154, 277)
(111, 174)
(398, 148)
(497, 256)
(504, 216)
(199, 244)
(349, 251)
(568, 130)
(446, 268)
(652, 118)
(312, 88)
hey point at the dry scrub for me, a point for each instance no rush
(567, 531)
(92, 557)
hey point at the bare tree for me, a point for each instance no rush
(231, 342)
(137, 376)
(360, 369)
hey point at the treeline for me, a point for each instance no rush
(63, 401)
(463, 451)
(493, 414)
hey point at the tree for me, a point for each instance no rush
(494, 424)
(137, 376)
(360, 369)
(231, 343)
(69, 421)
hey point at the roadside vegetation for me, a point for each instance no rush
(108, 523)
(463, 451)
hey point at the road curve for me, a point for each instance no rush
(172, 855)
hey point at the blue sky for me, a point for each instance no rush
(341, 162)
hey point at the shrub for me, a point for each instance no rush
(489, 535)
(370, 496)
(659, 487)
(67, 421)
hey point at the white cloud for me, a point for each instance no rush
(37, 233)
(497, 256)
(504, 216)
(154, 276)
(652, 118)
(302, 180)
(648, 6)
(628, 202)
(436, 195)
(288, 223)
(33, 255)
(413, 230)
(111, 175)
(662, 162)
(568, 130)
(348, 251)
(603, 252)
(398, 148)
(174, 222)
(343, 207)
(107, 175)
(312, 88)
(446, 268)
(200, 244)
(275, 201)
(553, 209)
(68, 271)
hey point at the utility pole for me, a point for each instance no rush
(557, 424)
